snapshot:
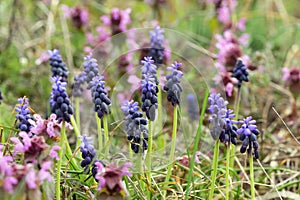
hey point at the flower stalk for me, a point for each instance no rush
(173, 146)
(60, 154)
(214, 171)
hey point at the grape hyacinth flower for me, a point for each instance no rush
(59, 101)
(110, 181)
(77, 85)
(58, 67)
(223, 127)
(193, 109)
(240, 72)
(172, 85)
(99, 95)
(248, 133)
(23, 115)
(156, 50)
(87, 150)
(149, 96)
(148, 66)
(137, 132)
(90, 68)
(78, 15)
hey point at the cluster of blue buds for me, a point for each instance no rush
(172, 85)
(156, 50)
(77, 86)
(58, 67)
(59, 101)
(90, 71)
(193, 109)
(248, 133)
(240, 72)
(88, 151)
(99, 95)
(149, 88)
(137, 132)
(24, 115)
(90, 68)
(223, 127)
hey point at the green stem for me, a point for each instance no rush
(76, 130)
(99, 130)
(173, 146)
(60, 154)
(252, 177)
(227, 171)
(77, 112)
(106, 138)
(148, 158)
(236, 112)
(197, 140)
(161, 139)
(214, 171)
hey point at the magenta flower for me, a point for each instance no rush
(53, 152)
(291, 77)
(31, 179)
(117, 21)
(110, 179)
(78, 15)
(50, 126)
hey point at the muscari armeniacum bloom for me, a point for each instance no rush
(99, 95)
(157, 48)
(58, 67)
(59, 101)
(193, 109)
(172, 86)
(240, 72)
(223, 127)
(149, 96)
(137, 132)
(24, 115)
(248, 133)
(88, 151)
(110, 181)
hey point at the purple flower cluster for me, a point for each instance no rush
(117, 21)
(240, 72)
(90, 71)
(99, 95)
(291, 77)
(156, 50)
(223, 127)
(24, 115)
(193, 109)
(49, 127)
(78, 15)
(59, 101)
(34, 170)
(110, 180)
(248, 133)
(172, 85)
(58, 67)
(88, 151)
(137, 132)
(149, 88)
